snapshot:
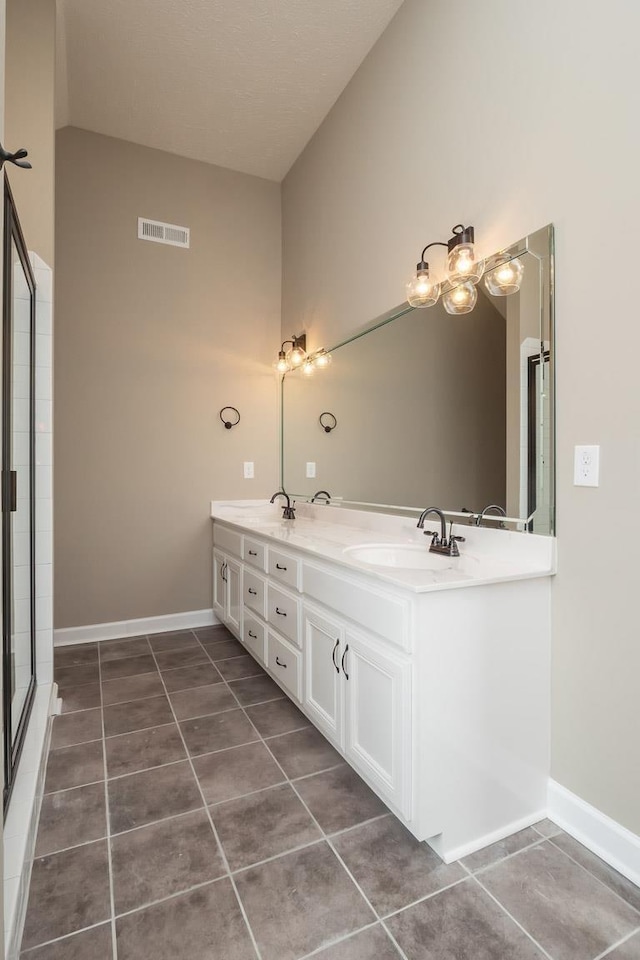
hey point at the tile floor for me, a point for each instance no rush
(192, 813)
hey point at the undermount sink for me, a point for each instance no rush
(413, 556)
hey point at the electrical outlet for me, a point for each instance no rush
(586, 466)
(311, 471)
(248, 470)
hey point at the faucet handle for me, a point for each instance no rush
(459, 539)
(431, 533)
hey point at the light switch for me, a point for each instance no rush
(586, 466)
(311, 470)
(248, 470)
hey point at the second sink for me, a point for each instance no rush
(413, 556)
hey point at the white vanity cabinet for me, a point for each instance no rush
(227, 579)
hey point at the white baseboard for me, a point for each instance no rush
(466, 849)
(134, 628)
(610, 841)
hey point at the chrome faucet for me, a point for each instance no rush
(288, 512)
(495, 508)
(440, 544)
(321, 493)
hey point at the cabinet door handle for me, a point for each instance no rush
(281, 664)
(281, 613)
(252, 553)
(13, 492)
(278, 567)
(346, 651)
(223, 570)
(254, 636)
(254, 593)
(333, 655)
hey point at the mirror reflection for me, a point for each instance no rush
(425, 407)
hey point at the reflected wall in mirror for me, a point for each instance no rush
(455, 411)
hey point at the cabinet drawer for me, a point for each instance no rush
(227, 540)
(285, 664)
(254, 592)
(284, 568)
(283, 613)
(254, 635)
(255, 553)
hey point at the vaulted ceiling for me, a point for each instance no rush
(240, 83)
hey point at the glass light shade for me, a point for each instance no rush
(296, 356)
(422, 291)
(462, 264)
(505, 279)
(308, 368)
(322, 359)
(282, 364)
(462, 299)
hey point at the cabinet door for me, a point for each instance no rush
(233, 576)
(323, 681)
(219, 586)
(378, 717)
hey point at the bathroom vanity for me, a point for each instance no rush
(429, 674)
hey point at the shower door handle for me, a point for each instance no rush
(10, 497)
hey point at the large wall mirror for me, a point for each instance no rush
(434, 409)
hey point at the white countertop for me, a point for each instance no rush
(487, 555)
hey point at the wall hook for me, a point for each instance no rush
(328, 427)
(229, 423)
(17, 158)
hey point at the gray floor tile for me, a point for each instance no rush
(326, 903)
(225, 650)
(74, 766)
(218, 732)
(202, 925)
(629, 950)
(76, 728)
(143, 749)
(129, 647)
(391, 866)
(136, 715)
(339, 799)
(462, 923)
(186, 678)
(213, 634)
(303, 752)
(547, 828)
(69, 891)
(180, 640)
(75, 654)
(202, 701)
(71, 817)
(141, 798)
(371, 944)
(237, 668)
(181, 658)
(232, 773)
(132, 688)
(255, 690)
(262, 825)
(94, 944)
(85, 697)
(614, 880)
(501, 849)
(568, 912)
(127, 667)
(164, 859)
(276, 717)
(72, 677)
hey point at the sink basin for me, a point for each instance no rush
(413, 556)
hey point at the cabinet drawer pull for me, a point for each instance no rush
(254, 636)
(253, 553)
(346, 650)
(254, 593)
(333, 656)
(278, 567)
(280, 664)
(281, 613)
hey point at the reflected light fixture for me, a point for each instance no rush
(505, 278)
(308, 367)
(294, 356)
(462, 299)
(462, 264)
(322, 359)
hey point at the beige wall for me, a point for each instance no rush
(451, 118)
(151, 341)
(29, 116)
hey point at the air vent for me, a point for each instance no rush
(163, 232)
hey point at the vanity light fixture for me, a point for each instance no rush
(308, 367)
(322, 359)
(505, 278)
(462, 267)
(294, 357)
(462, 299)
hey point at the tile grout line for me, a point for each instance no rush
(508, 856)
(601, 882)
(213, 826)
(349, 936)
(114, 940)
(620, 943)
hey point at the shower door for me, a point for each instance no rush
(18, 491)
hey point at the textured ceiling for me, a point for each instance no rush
(240, 83)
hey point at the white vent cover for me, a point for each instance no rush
(163, 232)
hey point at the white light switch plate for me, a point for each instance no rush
(248, 470)
(586, 466)
(311, 470)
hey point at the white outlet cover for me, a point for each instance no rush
(586, 465)
(311, 470)
(248, 470)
